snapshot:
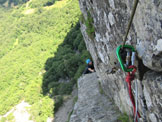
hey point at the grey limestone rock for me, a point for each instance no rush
(110, 22)
(92, 106)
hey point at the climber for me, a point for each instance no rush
(89, 68)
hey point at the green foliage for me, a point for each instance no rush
(41, 110)
(9, 118)
(75, 99)
(42, 3)
(58, 102)
(3, 119)
(68, 63)
(90, 27)
(49, 3)
(69, 116)
(124, 118)
(100, 88)
(34, 4)
(82, 19)
(2, 1)
(16, 2)
(61, 88)
(27, 41)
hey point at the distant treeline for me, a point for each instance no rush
(13, 1)
(16, 2)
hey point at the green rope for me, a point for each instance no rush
(130, 21)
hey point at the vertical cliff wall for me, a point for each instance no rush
(108, 20)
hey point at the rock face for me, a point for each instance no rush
(92, 106)
(153, 95)
(110, 20)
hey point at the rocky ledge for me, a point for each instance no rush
(92, 104)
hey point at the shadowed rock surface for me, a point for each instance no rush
(92, 106)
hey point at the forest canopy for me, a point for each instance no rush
(16, 2)
(40, 2)
(34, 38)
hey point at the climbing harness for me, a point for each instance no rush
(126, 55)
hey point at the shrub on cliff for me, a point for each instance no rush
(90, 27)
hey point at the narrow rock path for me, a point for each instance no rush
(92, 106)
(63, 113)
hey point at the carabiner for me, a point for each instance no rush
(121, 49)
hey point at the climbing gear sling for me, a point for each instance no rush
(129, 78)
(126, 56)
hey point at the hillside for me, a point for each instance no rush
(30, 35)
(11, 3)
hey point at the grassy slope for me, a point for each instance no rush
(26, 42)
